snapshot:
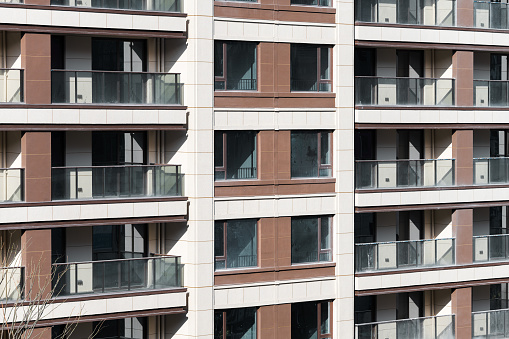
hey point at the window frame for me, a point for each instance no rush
(319, 79)
(224, 166)
(224, 325)
(225, 246)
(223, 78)
(319, 304)
(319, 236)
(317, 5)
(320, 166)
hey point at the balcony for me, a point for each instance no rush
(491, 15)
(100, 182)
(370, 174)
(11, 85)
(491, 247)
(12, 284)
(422, 328)
(397, 255)
(145, 5)
(99, 87)
(491, 93)
(378, 91)
(12, 184)
(106, 276)
(490, 324)
(411, 12)
(491, 171)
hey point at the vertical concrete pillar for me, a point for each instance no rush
(36, 160)
(283, 67)
(266, 154)
(267, 73)
(284, 241)
(465, 13)
(36, 61)
(463, 72)
(284, 157)
(36, 258)
(267, 322)
(462, 307)
(463, 152)
(463, 231)
(284, 321)
(267, 242)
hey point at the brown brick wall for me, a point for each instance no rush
(36, 61)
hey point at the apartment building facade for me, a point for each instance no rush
(255, 169)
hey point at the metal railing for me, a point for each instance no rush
(491, 93)
(393, 255)
(237, 262)
(236, 85)
(325, 3)
(101, 87)
(310, 86)
(404, 173)
(115, 181)
(236, 174)
(12, 284)
(435, 327)
(413, 12)
(11, 85)
(491, 247)
(490, 324)
(491, 15)
(145, 5)
(12, 184)
(102, 276)
(382, 91)
(491, 170)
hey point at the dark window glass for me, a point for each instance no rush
(311, 154)
(239, 323)
(310, 68)
(311, 320)
(311, 240)
(311, 2)
(240, 239)
(235, 66)
(235, 155)
(132, 328)
(119, 241)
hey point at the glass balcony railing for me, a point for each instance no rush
(11, 85)
(491, 93)
(395, 255)
(99, 182)
(136, 5)
(118, 275)
(412, 12)
(421, 328)
(491, 171)
(379, 91)
(99, 87)
(490, 324)
(491, 247)
(12, 184)
(12, 283)
(491, 15)
(404, 173)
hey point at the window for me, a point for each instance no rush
(311, 320)
(311, 154)
(311, 2)
(237, 323)
(235, 66)
(235, 243)
(310, 68)
(311, 239)
(235, 155)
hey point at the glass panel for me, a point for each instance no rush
(325, 318)
(365, 257)
(325, 233)
(11, 283)
(304, 154)
(304, 64)
(241, 66)
(325, 148)
(241, 155)
(219, 239)
(304, 240)
(324, 63)
(11, 184)
(218, 149)
(430, 327)
(218, 59)
(304, 320)
(241, 323)
(241, 243)
(145, 5)
(11, 85)
(218, 325)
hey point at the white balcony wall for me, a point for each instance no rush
(12, 56)
(437, 303)
(482, 17)
(387, 11)
(79, 248)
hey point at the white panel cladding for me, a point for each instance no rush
(92, 211)
(91, 116)
(58, 18)
(273, 119)
(273, 206)
(70, 308)
(273, 293)
(274, 31)
(434, 116)
(430, 277)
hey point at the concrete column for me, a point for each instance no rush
(463, 230)
(462, 306)
(463, 72)
(465, 13)
(267, 153)
(284, 321)
(36, 61)
(284, 157)
(267, 242)
(36, 160)
(463, 152)
(36, 258)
